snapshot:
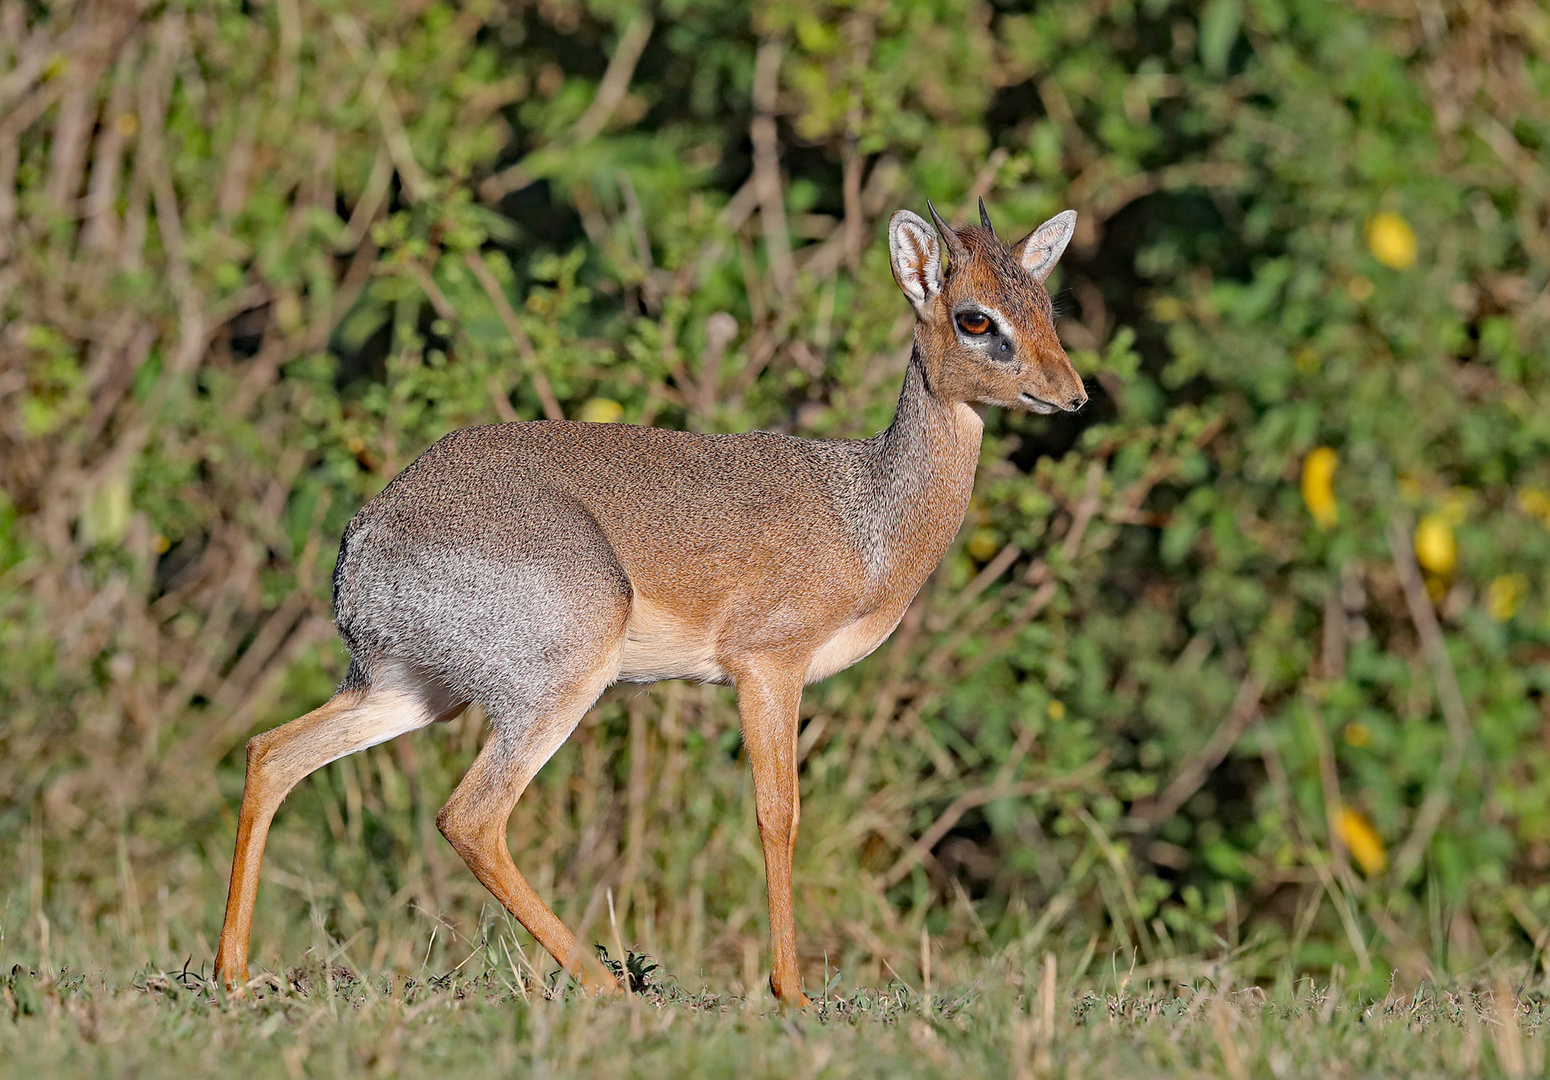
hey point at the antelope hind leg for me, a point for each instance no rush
(278, 760)
(475, 817)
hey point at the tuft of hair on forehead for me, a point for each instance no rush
(987, 250)
(980, 241)
(993, 274)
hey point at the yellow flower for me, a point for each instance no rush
(1503, 594)
(1318, 485)
(601, 410)
(983, 544)
(1536, 503)
(1434, 546)
(1391, 240)
(1056, 710)
(1362, 841)
(1358, 734)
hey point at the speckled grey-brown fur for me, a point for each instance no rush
(511, 557)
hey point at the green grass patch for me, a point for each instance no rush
(994, 1019)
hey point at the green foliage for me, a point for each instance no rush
(254, 258)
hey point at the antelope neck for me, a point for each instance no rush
(921, 476)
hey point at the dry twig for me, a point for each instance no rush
(1244, 710)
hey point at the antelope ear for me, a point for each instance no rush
(916, 254)
(1041, 249)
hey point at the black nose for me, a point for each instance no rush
(1077, 402)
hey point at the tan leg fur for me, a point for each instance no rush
(768, 696)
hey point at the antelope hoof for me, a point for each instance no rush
(597, 981)
(792, 998)
(235, 983)
(608, 989)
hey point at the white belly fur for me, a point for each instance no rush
(657, 645)
(850, 643)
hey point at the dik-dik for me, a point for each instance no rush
(527, 566)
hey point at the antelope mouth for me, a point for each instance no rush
(1038, 405)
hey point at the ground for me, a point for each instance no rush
(495, 1017)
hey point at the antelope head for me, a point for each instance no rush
(985, 324)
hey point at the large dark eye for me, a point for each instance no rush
(974, 322)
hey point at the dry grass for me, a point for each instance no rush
(494, 1015)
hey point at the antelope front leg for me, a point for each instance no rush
(768, 697)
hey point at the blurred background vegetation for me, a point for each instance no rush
(1249, 659)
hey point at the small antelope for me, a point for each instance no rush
(527, 566)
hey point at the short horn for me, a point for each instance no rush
(956, 248)
(985, 219)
